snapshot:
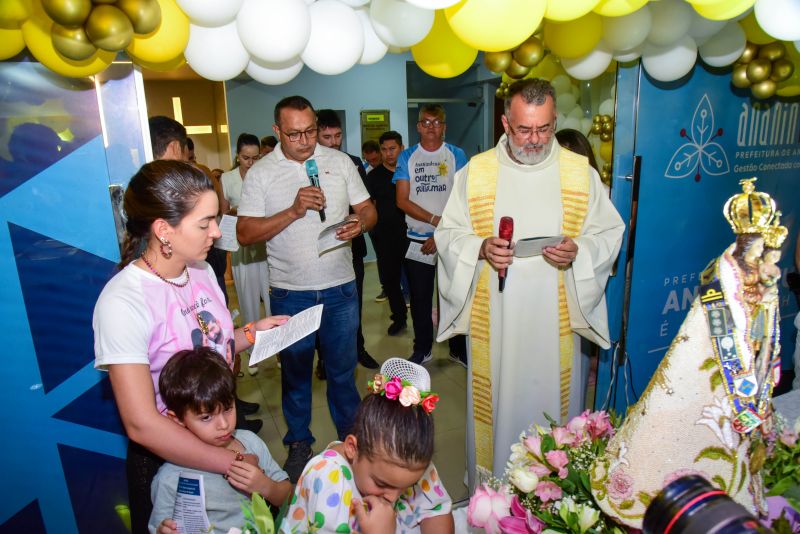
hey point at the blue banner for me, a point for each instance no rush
(696, 140)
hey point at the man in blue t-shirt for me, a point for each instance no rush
(424, 180)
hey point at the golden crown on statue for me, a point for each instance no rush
(775, 235)
(750, 212)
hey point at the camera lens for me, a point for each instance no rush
(691, 505)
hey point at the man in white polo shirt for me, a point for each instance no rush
(280, 206)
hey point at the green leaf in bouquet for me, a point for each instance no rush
(548, 443)
(263, 517)
(553, 422)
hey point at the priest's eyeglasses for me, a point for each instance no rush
(524, 132)
(294, 137)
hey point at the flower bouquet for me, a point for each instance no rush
(782, 476)
(547, 487)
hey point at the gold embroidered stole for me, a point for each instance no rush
(481, 191)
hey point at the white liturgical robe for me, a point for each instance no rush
(524, 319)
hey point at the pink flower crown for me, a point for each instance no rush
(402, 390)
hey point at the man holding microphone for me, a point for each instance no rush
(280, 205)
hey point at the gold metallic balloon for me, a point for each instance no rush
(759, 70)
(72, 43)
(607, 127)
(597, 128)
(596, 119)
(497, 61)
(517, 71)
(739, 76)
(605, 118)
(500, 93)
(144, 14)
(772, 51)
(67, 12)
(764, 90)
(109, 28)
(749, 54)
(605, 136)
(529, 53)
(782, 69)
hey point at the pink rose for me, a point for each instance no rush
(393, 388)
(409, 396)
(558, 461)
(487, 507)
(540, 470)
(521, 520)
(788, 437)
(619, 486)
(577, 425)
(563, 436)
(548, 491)
(600, 425)
(534, 445)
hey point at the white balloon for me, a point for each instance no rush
(355, 3)
(565, 102)
(586, 126)
(628, 31)
(274, 30)
(210, 12)
(576, 92)
(589, 66)
(779, 18)
(216, 53)
(797, 45)
(572, 123)
(433, 4)
(669, 63)
(374, 48)
(702, 29)
(671, 21)
(606, 107)
(560, 118)
(400, 24)
(623, 56)
(274, 73)
(561, 83)
(576, 113)
(337, 38)
(725, 47)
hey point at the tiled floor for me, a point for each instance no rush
(448, 380)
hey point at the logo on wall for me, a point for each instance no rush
(700, 153)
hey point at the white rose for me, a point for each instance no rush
(587, 517)
(523, 479)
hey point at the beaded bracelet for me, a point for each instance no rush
(238, 458)
(248, 333)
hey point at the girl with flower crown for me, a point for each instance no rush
(381, 478)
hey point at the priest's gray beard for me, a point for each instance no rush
(530, 153)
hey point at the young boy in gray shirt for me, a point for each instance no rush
(198, 389)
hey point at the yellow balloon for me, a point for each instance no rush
(173, 64)
(723, 9)
(564, 10)
(14, 12)
(618, 8)
(547, 69)
(495, 25)
(575, 38)
(441, 53)
(11, 43)
(753, 31)
(606, 150)
(36, 32)
(167, 41)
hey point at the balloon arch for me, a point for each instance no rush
(272, 40)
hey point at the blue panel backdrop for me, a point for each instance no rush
(62, 464)
(697, 138)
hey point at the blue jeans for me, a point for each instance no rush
(337, 338)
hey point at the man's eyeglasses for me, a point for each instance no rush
(311, 133)
(524, 132)
(427, 123)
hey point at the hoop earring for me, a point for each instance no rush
(165, 248)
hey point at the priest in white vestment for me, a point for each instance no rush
(532, 362)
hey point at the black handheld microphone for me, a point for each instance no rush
(313, 177)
